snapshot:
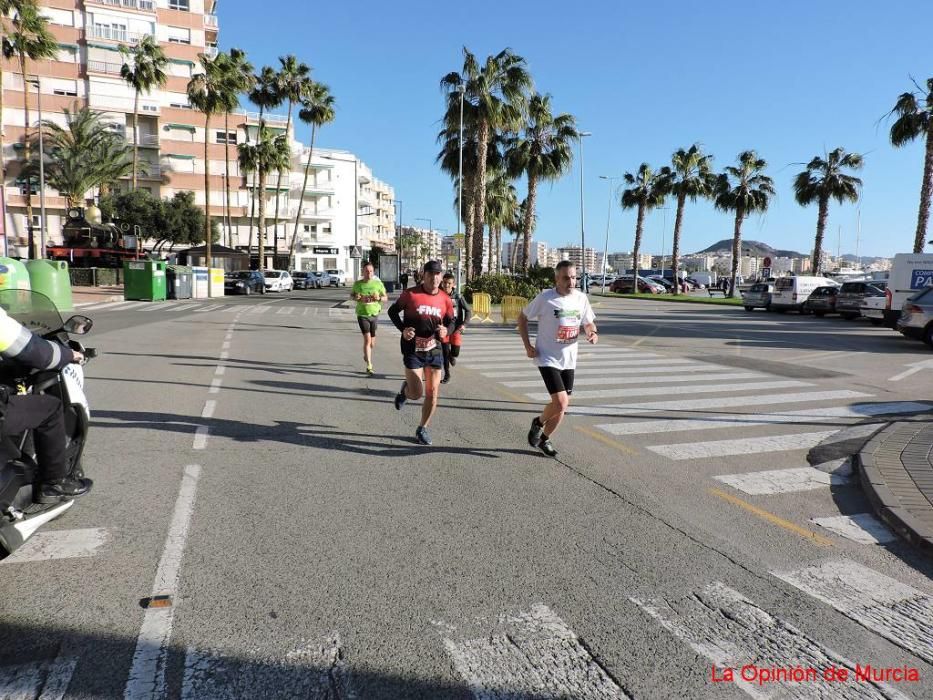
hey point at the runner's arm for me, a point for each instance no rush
(464, 311)
(395, 314)
(523, 332)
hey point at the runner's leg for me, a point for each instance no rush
(553, 413)
(431, 386)
(414, 384)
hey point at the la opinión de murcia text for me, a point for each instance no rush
(763, 675)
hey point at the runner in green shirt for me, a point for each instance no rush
(369, 294)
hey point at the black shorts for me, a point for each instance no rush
(419, 360)
(557, 380)
(367, 324)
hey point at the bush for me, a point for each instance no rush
(498, 286)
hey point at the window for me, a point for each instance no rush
(67, 91)
(179, 35)
(67, 54)
(307, 228)
(227, 137)
(182, 5)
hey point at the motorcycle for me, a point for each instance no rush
(20, 515)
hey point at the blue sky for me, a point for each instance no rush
(791, 80)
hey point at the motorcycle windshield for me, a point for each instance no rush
(35, 311)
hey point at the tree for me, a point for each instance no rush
(501, 209)
(496, 90)
(823, 180)
(6, 49)
(210, 92)
(645, 192)
(294, 82)
(449, 160)
(183, 221)
(914, 120)
(317, 109)
(146, 72)
(28, 39)
(689, 176)
(269, 153)
(83, 154)
(265, 95)
(237, 78)
(543, 152)
(744, 190)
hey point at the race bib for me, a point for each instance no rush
(425, 344)
(568, 333)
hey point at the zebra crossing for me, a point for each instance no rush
(745, 415)
(175, 307)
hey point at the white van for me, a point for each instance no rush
(910, 272)
(792, 292)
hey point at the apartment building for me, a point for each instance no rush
(592, 258)
(333, 215)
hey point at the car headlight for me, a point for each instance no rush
(240, 284)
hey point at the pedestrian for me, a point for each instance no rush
(369, 293)
(452, 343)
(425, 316)
(560, 313)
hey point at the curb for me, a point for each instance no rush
(886, 504)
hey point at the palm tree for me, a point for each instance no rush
(269, 153)
(745, 190)
(28, 38)
(914, 120)
(6, 49)
(147, 72)
(209, 92)
(294, 81)
(544, 152)
(823, 180)
(238, 78)
(496, 90)
(449, 160)
(501, 207)
(644, 193)
(265, 95)
(83, 154)
(689, 175)
(317, 109)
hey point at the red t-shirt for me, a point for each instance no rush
(425, 313)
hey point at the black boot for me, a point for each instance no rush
(62, 489)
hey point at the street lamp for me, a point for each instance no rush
(430, 227)
(583, 282)
(35, 81)
(398, 238)
(608, 219)
(663, 230)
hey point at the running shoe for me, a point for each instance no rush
(537, 430)
(369, 370)
(400, 398)
(446, 378)
(546, 447)
(453, 361)
(421, 435)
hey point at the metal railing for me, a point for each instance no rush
(104, 67)
(105, 32)
(210, 21)
(147, 5)
(269, 118)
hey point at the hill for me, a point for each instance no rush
(753, 248)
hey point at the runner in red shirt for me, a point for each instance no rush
(425, 315)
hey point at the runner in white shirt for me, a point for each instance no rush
(560, 313)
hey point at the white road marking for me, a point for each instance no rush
(220, 369)
(723, 375)
(225, 354)
(42, 680)
(601, 369)
(285, 311)
(113, 304)
(215, 385)
(731, 420)
(722, 625)
(60, 544)
(741, 446)
(147, 674)
(774, 481)
(483, 364)
(209, 407)
(899, 613)
(863, 528)
(679, 391)
(258, 309)
(200, 437)
(184, 307)
(214, 307)
(533, 654)
(624, 409)
(226, 345)
(914, 368)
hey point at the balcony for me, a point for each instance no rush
(144, 5)
(104, 67)
(102, 31)
(270, 119)
(145, 140)
(110, 103)
(210, 21)
(211, 51)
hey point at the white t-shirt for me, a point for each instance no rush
(559, 319)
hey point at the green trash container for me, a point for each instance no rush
(179, 282)
(13, 274)
(51, 278)
(144, 280)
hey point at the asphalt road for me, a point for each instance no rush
(246, 468)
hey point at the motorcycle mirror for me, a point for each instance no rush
(79, 325)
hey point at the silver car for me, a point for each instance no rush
(916, 319)
(758, 296)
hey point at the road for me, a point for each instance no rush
(251, 477)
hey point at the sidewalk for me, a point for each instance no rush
(896, 471)
(95, 295)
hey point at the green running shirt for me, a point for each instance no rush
(375, 289)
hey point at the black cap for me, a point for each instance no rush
(433, 266)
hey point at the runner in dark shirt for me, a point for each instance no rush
(454, 341)
(425, 316)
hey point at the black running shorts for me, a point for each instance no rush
(419, 360)
(367, 324)
(557, 380)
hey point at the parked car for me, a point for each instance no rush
(758, 296)
(305, 280)
(909, 274)
(873, 308)
(278, 281)
(623, 285)
(696, 283)
(663, 281)
(792, 292)
(849, 300)
(338, 278)
(916, 320)
(244, 282)
(822, 300)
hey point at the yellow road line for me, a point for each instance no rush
(772, 518)
(517, 398)
(645, 337)
(606, 440)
